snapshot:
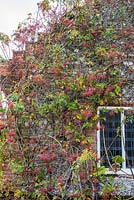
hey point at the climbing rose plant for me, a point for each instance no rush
(70, 61)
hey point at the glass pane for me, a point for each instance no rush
(129, 139)
(110, 137)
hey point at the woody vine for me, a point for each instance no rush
(70, 61)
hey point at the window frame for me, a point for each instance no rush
(123, 170)
(4, 104)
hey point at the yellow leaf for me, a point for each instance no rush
(17, 193)
(73, 33)
(115, 37)
(78, 116)
(90, 63)
(77, 140)
(84, 142)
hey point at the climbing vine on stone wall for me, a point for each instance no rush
(70, 65)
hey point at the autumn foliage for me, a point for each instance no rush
(70, 61)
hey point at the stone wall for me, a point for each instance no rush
(125, 186)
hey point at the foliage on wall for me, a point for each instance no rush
(70, 61)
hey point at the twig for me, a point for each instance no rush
(105, 148)
(69, 175)
(79, 184)
(55, 140)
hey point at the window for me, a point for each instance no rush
(3, 105)
(116, 135)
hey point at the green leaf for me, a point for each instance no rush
(19, 107)
(88, 37)
(115, 71)
(117, 89)
(100, 85)
(117, 159)
(107, 188)
(13, 97)
(2, 110)
(100, 171)
(72, 106)
(95, 98)
(14, 167)
(111, 94)
(87, 125)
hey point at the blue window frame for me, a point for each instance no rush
(129, 139)
(116, 135)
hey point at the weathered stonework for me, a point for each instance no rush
(49, 127)
(125, 186)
